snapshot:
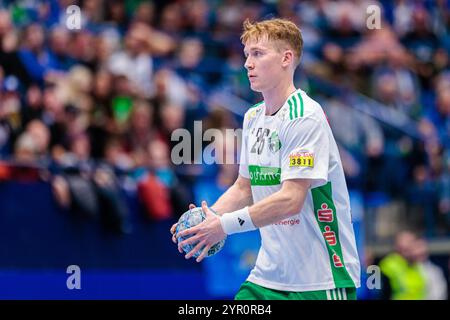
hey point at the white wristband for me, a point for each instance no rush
(237, 221)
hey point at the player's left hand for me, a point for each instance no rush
(207, 233)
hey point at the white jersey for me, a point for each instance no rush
(314, 249)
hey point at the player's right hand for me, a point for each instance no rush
(174, 228)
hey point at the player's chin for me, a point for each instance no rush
(255, 87)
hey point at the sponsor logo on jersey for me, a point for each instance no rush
(264, 176)
(287, 222)
(337, 261)
(301, 159)
(330, 236)
(274, 142)
(325, 214)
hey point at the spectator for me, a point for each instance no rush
(41, 136)
(436, 284)
(171, 20)
(9, 55)
(423, 43)
(39, 62)
(135, 61)
(170, 88)
(406, 83)
(145, 13)
(26, 149)
(33, 107)
(141, 130)
(440, 117)
(106, 43)
(116, 15)
(172, 117)
(59, 47)
(421, 199)
(403, 277)
(444, 192)
(403, 12)
(154, 187)
(82, 48)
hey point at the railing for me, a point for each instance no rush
(359, 102)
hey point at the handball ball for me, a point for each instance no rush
(191, 218)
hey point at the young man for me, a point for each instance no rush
(291, 183)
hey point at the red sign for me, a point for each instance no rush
(326, 214)
(337, 261)
(330, 236)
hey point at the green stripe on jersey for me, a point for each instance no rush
(301, 104)
(290, 108)
(295, 108)
(264, 176)
(326, 217)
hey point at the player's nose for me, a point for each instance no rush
(249, 64)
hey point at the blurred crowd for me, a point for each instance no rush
(404, 67)
(96, 106)
(407, 273)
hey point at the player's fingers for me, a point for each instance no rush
(198, 247)
(190, 240)
(173, 228)
(203, 254)
(188, 232)
(205, 208)
(191, 206)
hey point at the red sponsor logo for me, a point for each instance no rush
(287, 222)
(330, 236)
(337, 261)
(325, 214)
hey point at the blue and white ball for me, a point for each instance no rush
(189, 219)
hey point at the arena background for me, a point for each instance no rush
(88, 104)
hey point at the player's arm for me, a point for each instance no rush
(237, 196)
(283, 204)
(280, 205)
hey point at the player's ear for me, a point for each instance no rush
(288, 58)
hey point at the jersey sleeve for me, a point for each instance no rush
(243, 160)
(305, 151)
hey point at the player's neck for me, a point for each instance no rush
(275, 98)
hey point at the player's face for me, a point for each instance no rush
(263, 63)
